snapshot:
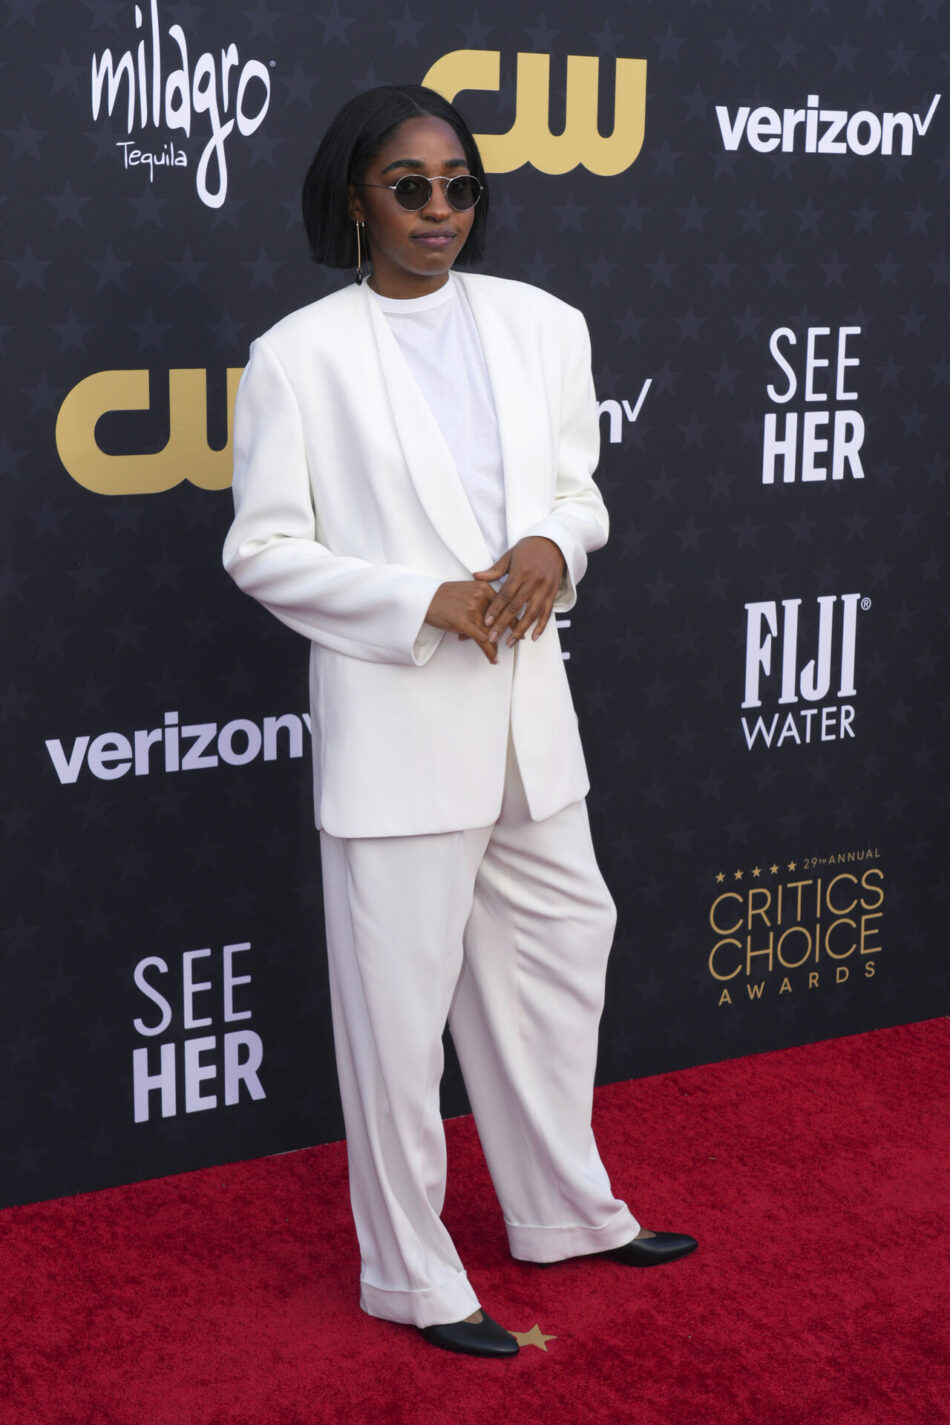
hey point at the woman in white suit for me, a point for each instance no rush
(413, 493)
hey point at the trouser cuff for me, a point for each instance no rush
(553, 1244)
(451, 1301)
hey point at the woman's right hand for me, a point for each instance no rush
(459, 607)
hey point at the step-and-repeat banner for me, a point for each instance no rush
(748, 202)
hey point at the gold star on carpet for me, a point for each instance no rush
(774, 869)
(719, 877)
(756, 871)
(793, 866)
(534, 1337)
(737, 875)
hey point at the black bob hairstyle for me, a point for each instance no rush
(348, 147)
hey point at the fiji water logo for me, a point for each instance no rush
(775, 677)
(161, 90)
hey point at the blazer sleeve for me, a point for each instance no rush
(578, 522)
(375, 612)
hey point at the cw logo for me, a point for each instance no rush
(529, 140)
(186, 454)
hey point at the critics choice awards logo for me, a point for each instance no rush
(796, 926)
(163, 92)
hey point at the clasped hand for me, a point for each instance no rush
(531, 570)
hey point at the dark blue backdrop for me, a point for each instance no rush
(755, 657)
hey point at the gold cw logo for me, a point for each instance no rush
(529, 140)
(186, 454)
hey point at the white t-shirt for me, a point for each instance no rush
(439, 339)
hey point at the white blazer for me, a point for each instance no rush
(349, 514)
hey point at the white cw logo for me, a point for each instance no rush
(154, 99)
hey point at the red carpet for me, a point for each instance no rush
(816, 1179)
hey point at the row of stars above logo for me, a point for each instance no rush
(774, 869)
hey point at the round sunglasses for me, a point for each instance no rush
(413, 191)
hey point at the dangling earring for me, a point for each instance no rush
(359, 255)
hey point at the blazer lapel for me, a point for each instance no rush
(524, 444)
(427, 455)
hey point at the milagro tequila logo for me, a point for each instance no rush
(215, 92)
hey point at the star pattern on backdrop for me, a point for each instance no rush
(684, 264)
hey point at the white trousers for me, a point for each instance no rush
(505, 932)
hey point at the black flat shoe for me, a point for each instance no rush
(472, 1338)
(652, 1251)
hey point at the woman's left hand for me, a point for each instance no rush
(534, 568)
